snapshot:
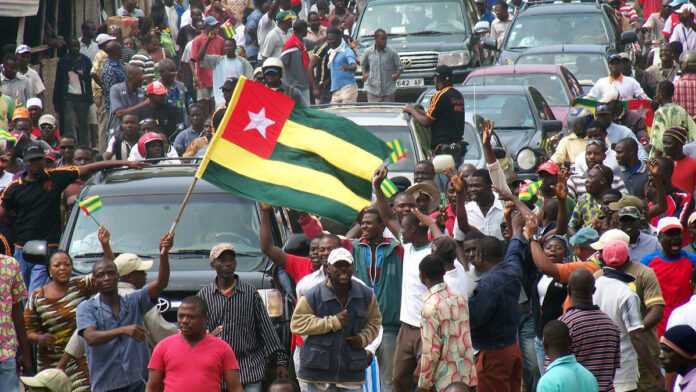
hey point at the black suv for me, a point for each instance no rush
(139, 207)
(425, 33)
(550, 23)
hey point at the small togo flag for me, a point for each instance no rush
(270, 150)
(388, 188)
(397, 151)
(91, 204)
(228, 29)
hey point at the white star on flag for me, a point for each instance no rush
(259, 122)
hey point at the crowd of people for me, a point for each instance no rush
(582, 278)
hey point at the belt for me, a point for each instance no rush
(409, 326)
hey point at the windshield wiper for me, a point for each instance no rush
(518, 47)
(511, 128)
(85, 255)
(429, 32)
(206, 252)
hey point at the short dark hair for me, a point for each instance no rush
(332, 236)
(9, 57)
(605, 172)
(312, 13)
(667, 88)
(380, 31)
(483, 173)
(195, 105)
(492, 249)
(334, 30)
(557, 335)
(446, 248)
(432, 267)
(372, 211)
(198, 302)
(630, 143)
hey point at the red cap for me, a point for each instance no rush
(615, 253)
(156, 88)
(549, 167)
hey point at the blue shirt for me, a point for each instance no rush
(616, 132)
(567, 375)
(112, 73)
(184, 138)
(488, 17)
(493, 308)
(252, 24)
(339, 77)
(121, 361)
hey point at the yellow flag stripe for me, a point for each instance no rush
(332, 149)
(243, 162)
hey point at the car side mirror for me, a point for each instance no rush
(36, 252)
(551, 126)
(628, 37)
(490, 43)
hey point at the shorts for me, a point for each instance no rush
(204, 94)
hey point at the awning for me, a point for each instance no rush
(19, 8)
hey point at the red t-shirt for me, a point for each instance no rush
(216, 47)
(298, 267)
(684, 175)
(197, 368)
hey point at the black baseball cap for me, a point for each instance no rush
(443, 71)
(33, 151)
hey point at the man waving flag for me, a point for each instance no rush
(268, 150)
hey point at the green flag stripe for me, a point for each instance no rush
(398, 148)
(278, 195)
(91, 202)
(294, 156)
(388, 188)
(341, 128)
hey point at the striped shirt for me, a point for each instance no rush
(595, 342)
(245, 326)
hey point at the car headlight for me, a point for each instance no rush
(526, 159)
(453, 59)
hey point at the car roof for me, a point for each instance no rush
(377, 2)
(561, 8)
(517, 69)
(568, 48)
(153, 180)
(494, 89)
(370, 114)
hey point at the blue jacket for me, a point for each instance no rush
(493, 308)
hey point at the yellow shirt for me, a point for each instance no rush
(97, 64)
(568, 149)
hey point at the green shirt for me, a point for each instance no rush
(668, 116)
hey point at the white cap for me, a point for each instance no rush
(23, 49)
(129, 262)
(669, 223)
(47, 119)
(340, 254)
(104, 38)
(608, 236)
(34, 102)
(687, 8)
(52, 379)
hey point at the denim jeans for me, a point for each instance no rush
(35, 275)
(255, 387)
(9, 382)
(530, 369)
(540, 354)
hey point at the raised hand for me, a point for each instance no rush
(167, 242)
(379, 176)
(459, 183)
(103, 235)
(486, 130)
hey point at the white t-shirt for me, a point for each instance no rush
(461, 281)
(412, 289)
(622, 305)
(627, 87)
(37, 85)
(135, 156)
(5, 180)
(488, 225)
(683, 315)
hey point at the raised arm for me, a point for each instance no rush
(542, 262)
(419, 115)
(427, 220)
(155, 287)
(562, 213)
(277, 256)
(105, 241)
(385, 212)
(661, 204)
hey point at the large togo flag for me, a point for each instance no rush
(643, 106)
(269, 150)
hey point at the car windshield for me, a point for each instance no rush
(505, 110)
(587, 67)
(137, 224)
(403, 134)
(540, 30)
(442, 17)
(550, 85)
(473, 149)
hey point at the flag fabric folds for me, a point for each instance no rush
(269, 150)
(91, 204)
(398, 153)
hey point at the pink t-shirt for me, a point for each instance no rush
(192, 368)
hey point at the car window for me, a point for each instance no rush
(403, 134)
(550, 85)
(506, 110)
(572, 83)
(532, 31)
(587, 67)
(137, 224)
(542, 108)
(473, 149)
(403, 19)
